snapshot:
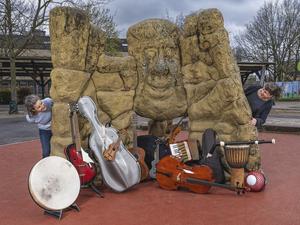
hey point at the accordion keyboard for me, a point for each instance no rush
(181, 150)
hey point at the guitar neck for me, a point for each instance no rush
(75, 131)
(134, 124)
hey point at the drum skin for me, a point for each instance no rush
(237, 155)
(54, 183)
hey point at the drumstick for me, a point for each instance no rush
(222, 144)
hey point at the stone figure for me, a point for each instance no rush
(212, 81)
(160, 94)
(166, 74)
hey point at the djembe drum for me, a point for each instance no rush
(237, 157)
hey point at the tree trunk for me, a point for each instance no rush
(13, 105)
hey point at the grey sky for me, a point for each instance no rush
(236, 13)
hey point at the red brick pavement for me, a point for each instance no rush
(147, 204)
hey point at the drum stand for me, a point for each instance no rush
(58, 213)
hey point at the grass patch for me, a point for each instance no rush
(289, 99)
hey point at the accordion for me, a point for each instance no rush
(181, 150)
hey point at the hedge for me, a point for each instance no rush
(21, 93)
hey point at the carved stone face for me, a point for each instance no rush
(161, 67)
(210, 20)
(154, 45)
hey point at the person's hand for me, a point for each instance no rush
(253, 121)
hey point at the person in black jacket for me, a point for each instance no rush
(261, 100)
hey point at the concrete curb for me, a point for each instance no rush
(5, 115)
(281, 129)
(273, 124)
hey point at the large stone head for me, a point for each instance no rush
(154, 44)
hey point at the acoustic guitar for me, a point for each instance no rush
(76, 155)
(110, 152)
(138, 152)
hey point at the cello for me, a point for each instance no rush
(123, 170)
(172, 173)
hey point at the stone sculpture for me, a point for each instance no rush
(154, 44)
(167, 73)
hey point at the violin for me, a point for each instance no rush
(175, 131)
(173, 135)
(172, 173)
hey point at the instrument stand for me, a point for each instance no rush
(96, 190)
(93, 187)
(58, 213)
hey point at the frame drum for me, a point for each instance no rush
(54, 183)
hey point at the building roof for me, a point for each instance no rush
(39, 41)
(27, 66)
(42, 66)
(247, 68)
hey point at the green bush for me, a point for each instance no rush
(289, 99)
(21, 93)
(4, 96)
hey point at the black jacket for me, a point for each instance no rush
(262, 114)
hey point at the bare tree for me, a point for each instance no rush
(178, 20)
(102, 18)
(19, 18)
(273, 36)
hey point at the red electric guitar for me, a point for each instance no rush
(76, 155)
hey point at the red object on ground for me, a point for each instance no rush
(256, 181)
(86, 171)
(147, 204)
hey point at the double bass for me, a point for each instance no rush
(123, 171)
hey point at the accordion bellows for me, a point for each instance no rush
(181, 150)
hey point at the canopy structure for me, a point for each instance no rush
(247, 68)
(38, 68)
